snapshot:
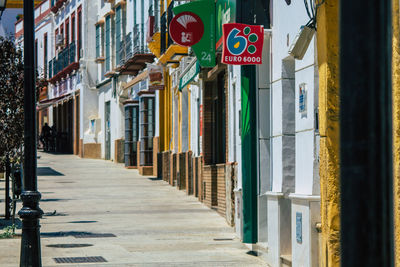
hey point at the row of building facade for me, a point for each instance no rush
(243, 140)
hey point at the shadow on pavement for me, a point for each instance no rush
(47, 171)
(154, 179)
(5, 223)
(69, 245)
(77, 234)
(53, 199)
(55, 213)
(83, 222)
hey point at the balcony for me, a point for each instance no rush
(162, 44)
(56, 5)
(64, 64)
(134, 53)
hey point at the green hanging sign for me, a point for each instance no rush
(205, 48)
(189, 75)
(225, 13)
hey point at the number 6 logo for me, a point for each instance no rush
(236, 44)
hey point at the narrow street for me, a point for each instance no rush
(95, 208)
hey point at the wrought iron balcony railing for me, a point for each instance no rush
(133, 44)
(66, 57)
(155, 11)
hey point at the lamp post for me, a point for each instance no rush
(30, 212)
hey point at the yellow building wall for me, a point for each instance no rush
(165, 114)
(328, 62)
(396, 126)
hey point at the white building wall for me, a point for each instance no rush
(294, 148)
(234, 140)
(45, 27)
(194, 120)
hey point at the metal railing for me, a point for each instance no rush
(66, 57)
(125, 49)
(155, 11)
(139, 40)
(133, 44)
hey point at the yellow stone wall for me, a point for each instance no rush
(328, 62)
(396, 127)
(165, 114)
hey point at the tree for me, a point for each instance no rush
(11, 100)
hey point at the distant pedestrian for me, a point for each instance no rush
(53, 138)
(44, 136)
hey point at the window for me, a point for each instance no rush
(45, 55)
(102, 41)
(55, 37)
(62, 30)
(98, 30)
(154, 11)
(67, 32)
(170, 16)
(93, 126)
(36, 56)
(79, 47)
(118, 20)
(163, 29)
(108, 30)
(73, 27)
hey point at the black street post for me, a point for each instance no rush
(366, 133)
(30, 212)
(8, 172)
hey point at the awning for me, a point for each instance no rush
(48, 102)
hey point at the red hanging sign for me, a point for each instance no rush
(186, 29)
(242, 44)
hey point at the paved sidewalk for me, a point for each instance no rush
(141, 221)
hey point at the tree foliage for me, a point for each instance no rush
(11, 100)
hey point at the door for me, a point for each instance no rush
(131, 135)
(76, 126)
(108, 131)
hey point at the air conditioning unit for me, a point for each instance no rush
(59, 40)
(301, 42)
